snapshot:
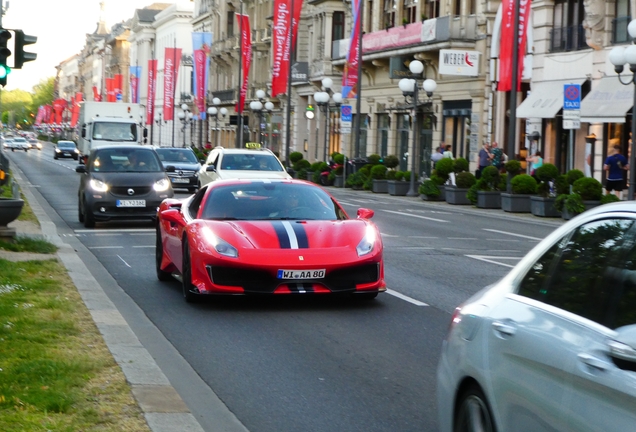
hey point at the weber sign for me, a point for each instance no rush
(459, 62)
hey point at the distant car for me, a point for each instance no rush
(64, 149)
(17, 143)
(7, 143)
(186, 166)
(121, 182)
(551, 347)
(34, 143)
(247, 163)
(278, 237)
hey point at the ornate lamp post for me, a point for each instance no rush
(322, 100)
(410, 87)
(618, 56)
(159, 122)
(185, 115)
(269, 106)
(213, 111)
(257, 107)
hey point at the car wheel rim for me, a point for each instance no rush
(474, 416)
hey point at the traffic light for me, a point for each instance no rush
(5, 52)
(22, 56)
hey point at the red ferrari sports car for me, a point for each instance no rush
(267, 237)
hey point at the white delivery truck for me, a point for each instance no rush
(106, 123)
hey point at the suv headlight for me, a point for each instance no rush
(162, 185)
(98, 185)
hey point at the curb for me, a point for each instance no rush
(163, 408)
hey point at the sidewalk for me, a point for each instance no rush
(163, 408)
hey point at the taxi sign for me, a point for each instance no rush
(252, 145)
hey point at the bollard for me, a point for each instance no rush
(15, 190)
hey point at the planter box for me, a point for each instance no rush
(398, 187)
(430, 198)
(380, 186)
(456, 196)
(442, 192)
(543, 207)
(310, 175)
(339, 181)
(515, 203)
(489, 199)
(10, 209)
(565, 214)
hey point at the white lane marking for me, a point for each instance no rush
(389, 235)
(126, 230)
(512, 234)
(423, 237)
(489, 259)
(415, 216)
(151, 246)
(122, 260)
(142, 234)
(503, 240)
(106, 247)
(461, 238)
(405, 298)
(409, 247)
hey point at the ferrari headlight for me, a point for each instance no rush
(98, 185)
(162, 185)
(221, 246)
(368, 241)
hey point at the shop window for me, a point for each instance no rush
(384, 126)
(568, 33)
(619, 24)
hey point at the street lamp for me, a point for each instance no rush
(269, 106)
(322, 99)
(410, 90)
(257, 107)
(618, 56)
(185, 115)
(159, 122)
(213, 111)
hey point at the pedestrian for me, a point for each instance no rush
(483, 159)
(536, 161)
(438, 155)
(497, 156)
(447, 152)
(615, 165)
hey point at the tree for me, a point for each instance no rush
(16, 102)
(43, 94)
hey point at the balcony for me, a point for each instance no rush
(443, 29)
(619, 29)
(226, 96)
(567, 39)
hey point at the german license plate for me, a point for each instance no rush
(180, 180)
(131, 203)
(301, 274)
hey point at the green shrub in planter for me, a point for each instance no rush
(460, 165)
(356, 180)
(295, 157)
(523, 184)
(472, 193)
(429, 188)
(366, 170)
(489, 180)
(374, 159)
(588, 188)
(338, 170)
(437, 179)
(559, 202)
(513, 167)
(368, 184)
(378, 172)
(609, 198)
(399, 175)
(317, 168)
(301, 164)
(573, 175)
(391, 161)
(464, 180)
(338, 158)
(545, 174)
(574, 203)
(390, 175)
(562, 185)
(444, 167)
(407, 176)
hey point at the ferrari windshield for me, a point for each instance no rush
(270, 201)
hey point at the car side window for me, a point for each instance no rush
(622, 305)
(212, 158)
(572, 274)
(195, 203)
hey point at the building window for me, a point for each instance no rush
(432, 9)
(568, 33)
(389, 13)
(409, 12)
(230, 24)
(338, 26)
(619, 24)
(384, 126)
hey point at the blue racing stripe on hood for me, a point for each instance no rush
(281, 233)
(301, 236)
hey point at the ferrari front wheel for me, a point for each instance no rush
(161, 275)
(186, 276)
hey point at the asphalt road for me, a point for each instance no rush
(302, 364)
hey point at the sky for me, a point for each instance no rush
(61, 27)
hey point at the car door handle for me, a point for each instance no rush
(593, 362)
(504, 328)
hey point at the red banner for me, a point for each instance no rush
(246, 53)
(97, 97)
(172, 58)
(50, 117)
(350, 73)
(507, 40)
(76, 108)
(58, 106)
(280, 43)
(152, 86)
(110, 89)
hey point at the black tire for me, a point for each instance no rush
(26, 150)
(186, 275)
(161, 275)
(80, 214)
(473, 413)
(89, 218)
(55, 157)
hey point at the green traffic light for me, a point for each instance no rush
(4, 71)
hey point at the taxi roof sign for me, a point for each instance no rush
(252, 145)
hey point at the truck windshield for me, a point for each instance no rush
(126, 132)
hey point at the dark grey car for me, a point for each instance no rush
(121, 182)
(186, 167)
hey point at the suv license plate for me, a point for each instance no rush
(180, 180)
(301, 274)
(131, 203)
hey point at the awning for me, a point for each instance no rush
(545, 99)
(608, 102)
